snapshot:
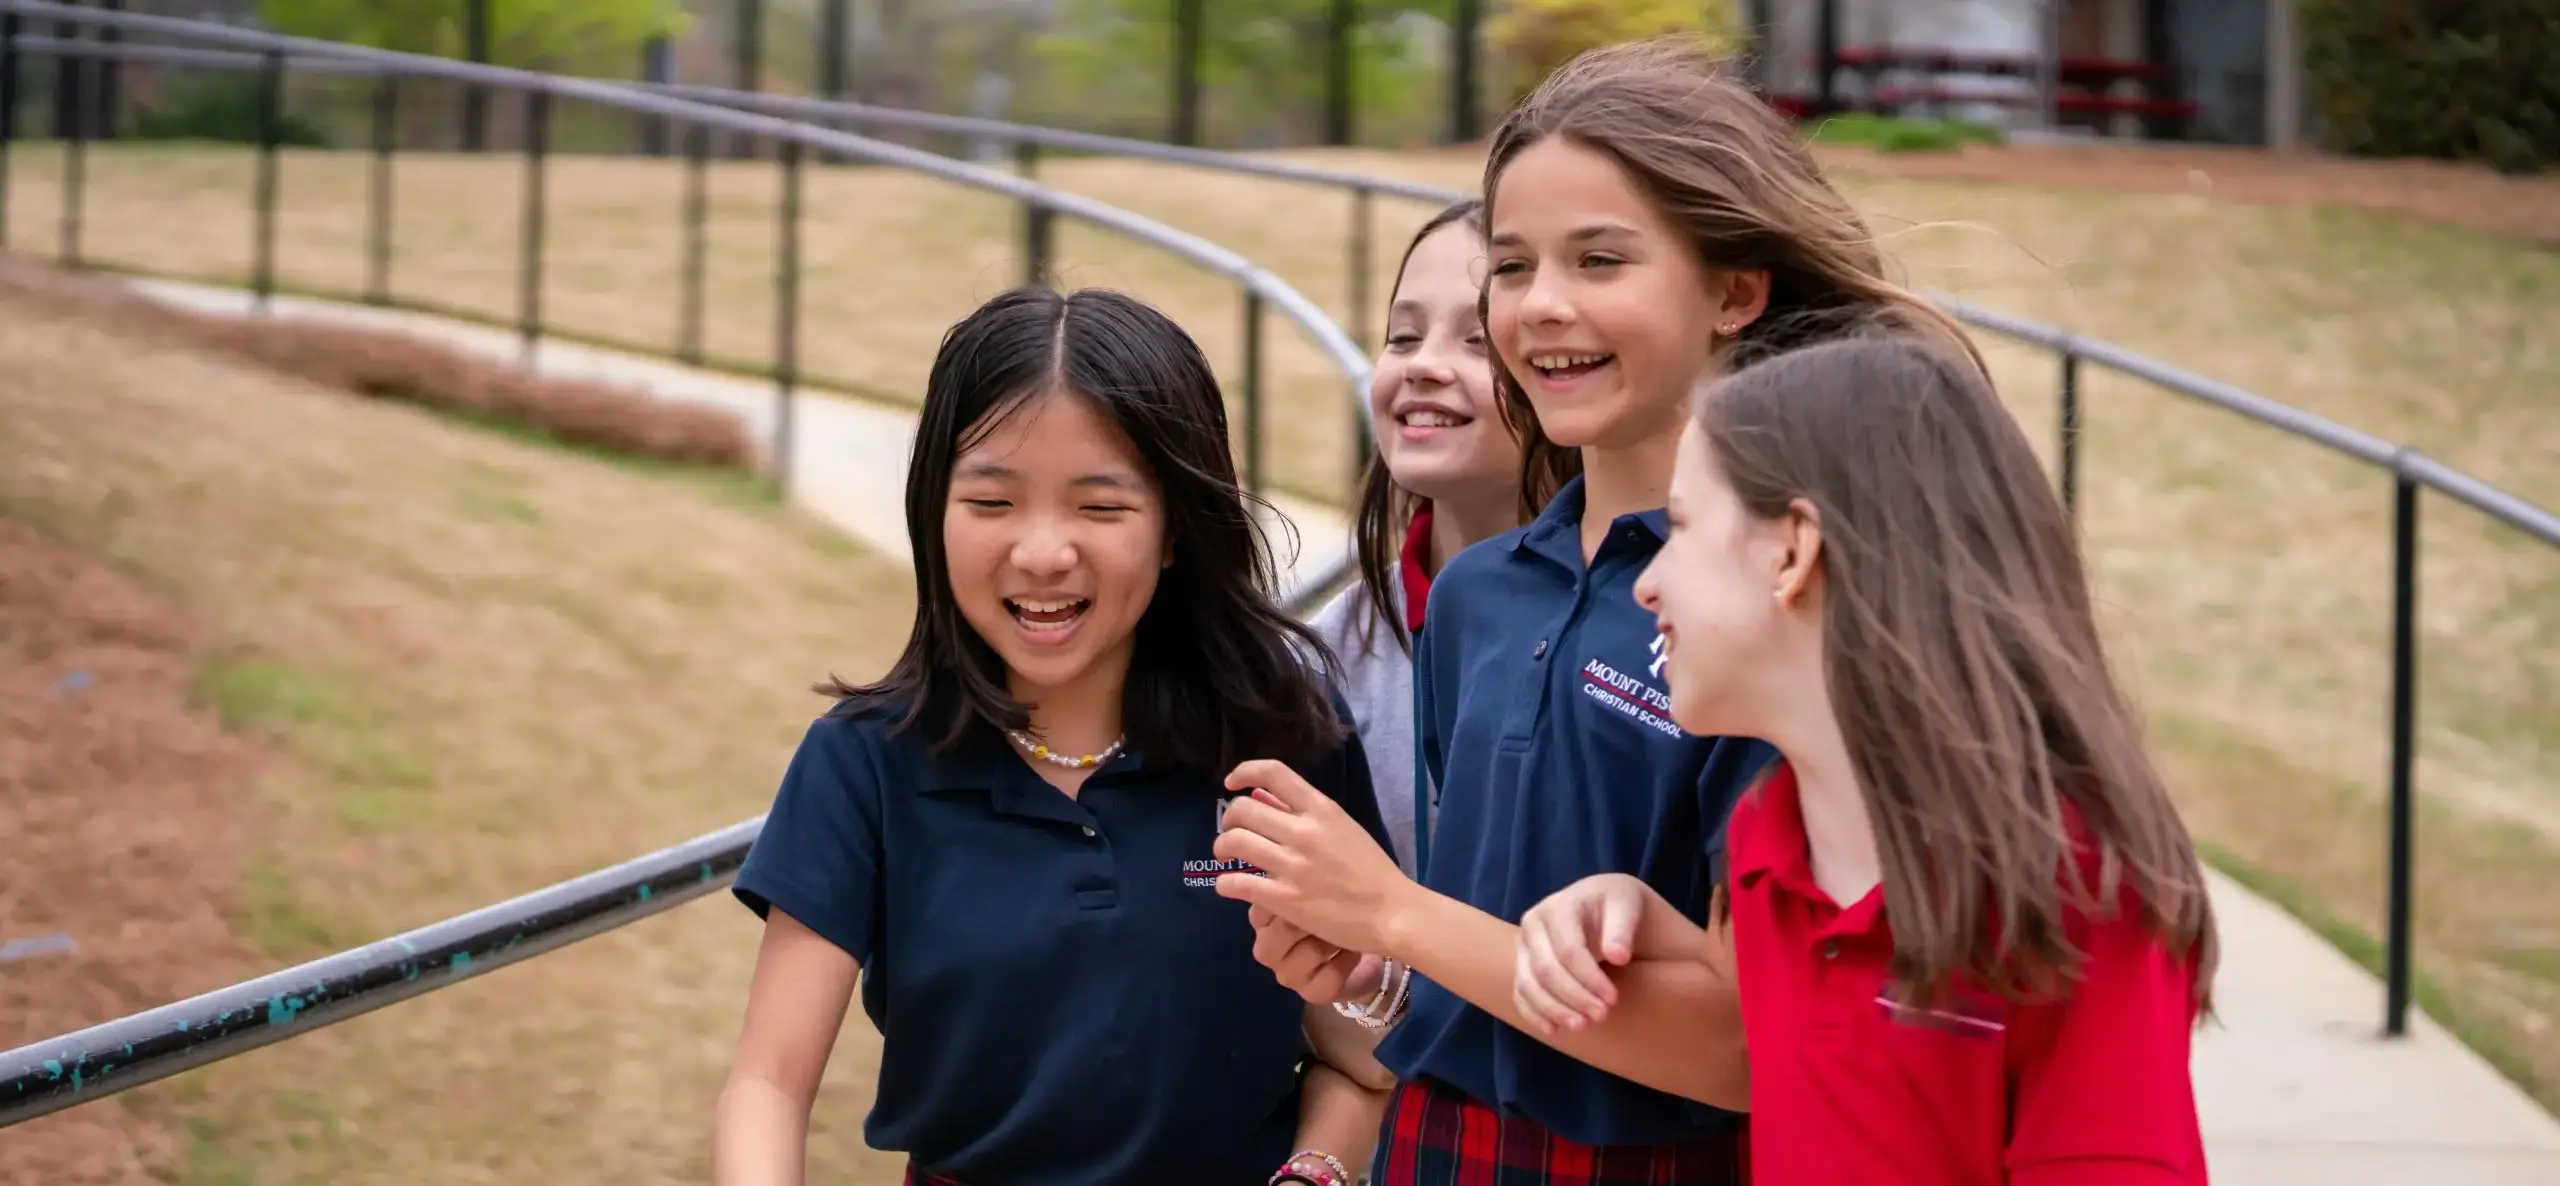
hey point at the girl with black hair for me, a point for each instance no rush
(1004, 843)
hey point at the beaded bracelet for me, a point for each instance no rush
(1331, 1173)
(1395, 988)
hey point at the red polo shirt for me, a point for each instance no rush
(1850, 1090)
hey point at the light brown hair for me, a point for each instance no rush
(1734, 178)
(1964, 665)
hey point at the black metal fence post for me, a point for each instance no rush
(386, 130)
(1462, 70)
(1253, 391)
(270, 136)
(8, 110)
(2404, 745)
(657, 65)
(1189, 17)
(109, 80)
(697, 202)
(1361, 445)
(1341, 28)
(1026, 159)
(2069, 459)
(66, 80)
(749, 51)
(1039, 228)
(537, 145)
(786, 313)
(475, 97)
(67, 68)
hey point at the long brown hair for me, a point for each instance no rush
(1733, 177)
(1384, 510)
(1964, 665)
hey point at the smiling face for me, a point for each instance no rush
(1727, 638)
(1055, 538)
(1598, 305)
(1431, 394)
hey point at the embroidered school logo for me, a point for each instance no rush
(1204, 874)
(1630, 697)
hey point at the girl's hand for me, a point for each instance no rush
(1310, 967)
(1321, 872)
(1559, 981)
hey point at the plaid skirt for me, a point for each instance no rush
(1438, 1137)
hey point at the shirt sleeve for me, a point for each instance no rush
(2100, 1093)
(818, 857)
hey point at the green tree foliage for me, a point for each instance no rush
(570, 36)
(1528, 39)
(2464, 80)
(1109, 64)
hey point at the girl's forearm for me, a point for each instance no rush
(1348, 1047)
(1338, 1116)
(1663, 933)
(1677, 1025)
(760, 1136)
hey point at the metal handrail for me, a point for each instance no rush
(75, 1068)
(1329, 337)
(2481, 496)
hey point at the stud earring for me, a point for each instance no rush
(1729, 329)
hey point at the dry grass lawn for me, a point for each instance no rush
(2247, 574)
(489, 665)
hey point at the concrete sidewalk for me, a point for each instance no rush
(2295, 1085)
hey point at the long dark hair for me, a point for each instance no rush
(1733, 178)
(1964, 663)
(1383, 510)
(1215, 678)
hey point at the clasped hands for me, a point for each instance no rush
(1328, 903)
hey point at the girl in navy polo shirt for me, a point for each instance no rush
(1005, 843)
(1971, 934)
(1651, 220)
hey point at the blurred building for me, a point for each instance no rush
(2227, 71)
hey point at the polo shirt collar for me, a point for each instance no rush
(1556, 533)
(1775, 846)
(1775, 842)
(1411, 570)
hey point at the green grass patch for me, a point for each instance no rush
(1899, 133)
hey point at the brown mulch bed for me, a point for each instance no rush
(121, 806)
(399, 366)
(2468, 196)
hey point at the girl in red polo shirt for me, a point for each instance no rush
(1970, 932)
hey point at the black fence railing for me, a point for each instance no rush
(272, 59)
(74, 1068)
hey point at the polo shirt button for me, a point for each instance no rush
(1830, 947)
(1089, 831)
(1541, 651)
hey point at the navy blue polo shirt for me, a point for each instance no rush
(1542, 718)
(1063, 996)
